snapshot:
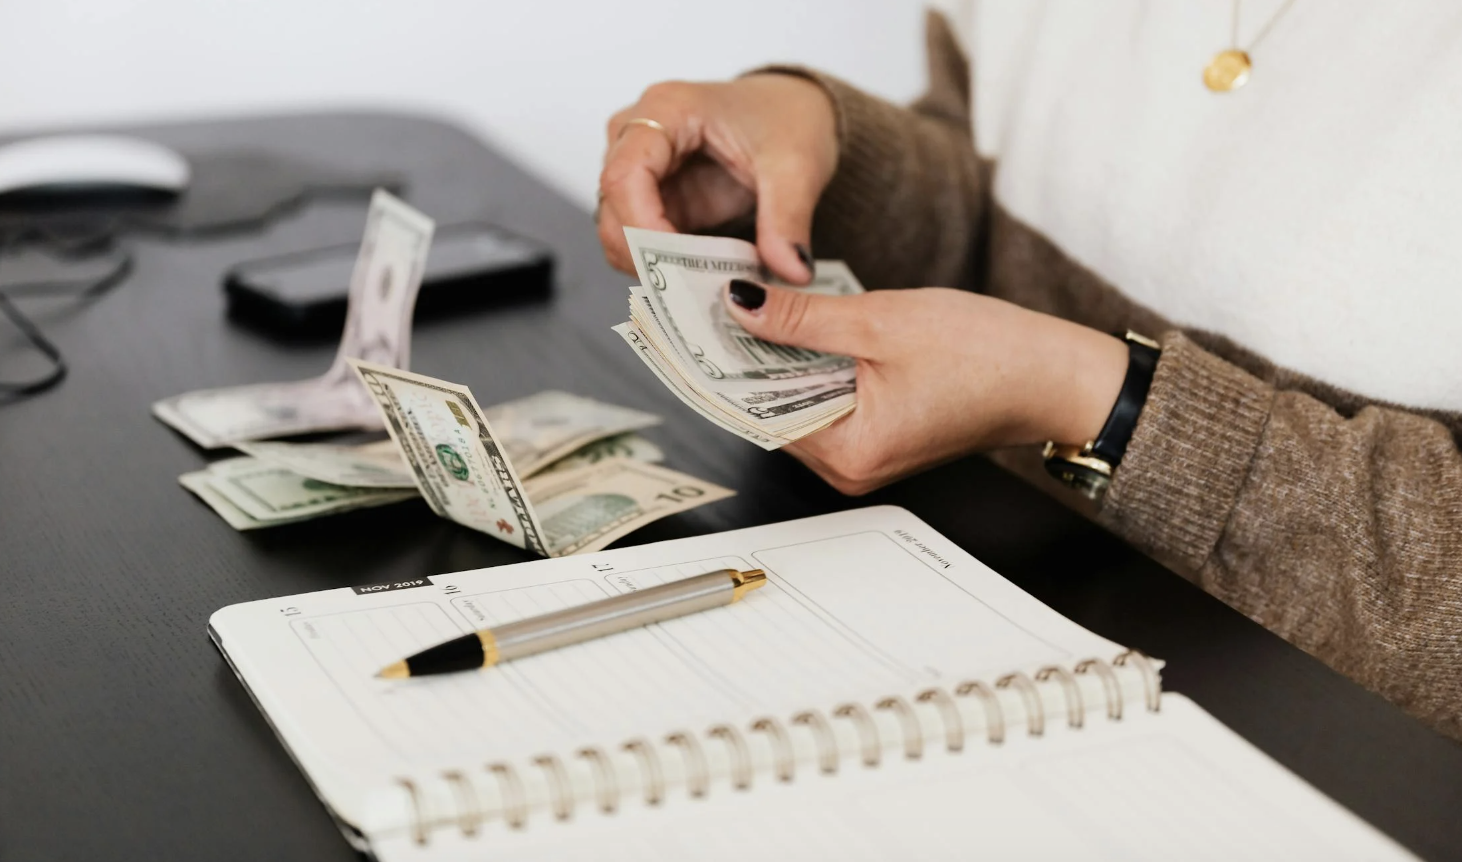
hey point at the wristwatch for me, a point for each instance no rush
(1088, 468)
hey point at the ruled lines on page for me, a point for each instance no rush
(838, 617)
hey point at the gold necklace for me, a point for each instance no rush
(1229, 69)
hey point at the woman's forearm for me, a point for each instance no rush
(1342, 534)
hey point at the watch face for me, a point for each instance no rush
(1087, 482)
(1091, 484)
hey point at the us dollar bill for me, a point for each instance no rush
(250, 494)
(687, 395)
(284, 485)
(542, 428)
(681, 279)
(583, 509)
(629, 446)
(380, 465)
(364, 465)
(383, 289)
(535, 432)
(456, 459)
(197, 483)
(464, 471)
(770, 394)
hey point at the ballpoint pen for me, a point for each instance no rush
(579, 623)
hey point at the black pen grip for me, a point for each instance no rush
(463, 653)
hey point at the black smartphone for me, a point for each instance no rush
(305, 293)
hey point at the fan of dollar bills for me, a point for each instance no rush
(553, 473)
(770, 394)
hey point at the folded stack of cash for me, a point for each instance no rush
(554, 473)
(770, 394)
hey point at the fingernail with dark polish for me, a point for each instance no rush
(747, 294)
(804, 254)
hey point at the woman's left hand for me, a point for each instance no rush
(941, 373)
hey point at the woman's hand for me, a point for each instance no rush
(941, 373)
(765, 142)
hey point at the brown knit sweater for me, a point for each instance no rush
(1335, 522)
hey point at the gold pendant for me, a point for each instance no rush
(1228, 70)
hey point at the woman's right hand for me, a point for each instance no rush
(766, 143)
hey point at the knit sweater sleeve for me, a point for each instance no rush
(907, 176)
(1341, 533)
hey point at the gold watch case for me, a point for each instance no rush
(1078, 468)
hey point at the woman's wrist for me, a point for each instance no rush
(806, 98)
(1083, 374)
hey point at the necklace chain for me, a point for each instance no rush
(1234, 37)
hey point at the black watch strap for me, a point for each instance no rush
(1111, 444)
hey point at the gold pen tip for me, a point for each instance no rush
(399, 670)
(745, 582)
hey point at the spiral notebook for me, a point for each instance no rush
(885, 695)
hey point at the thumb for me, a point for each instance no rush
(785, 199)
(797, 318)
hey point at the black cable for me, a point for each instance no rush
(58, 244)
(42, 344)
(85, 289)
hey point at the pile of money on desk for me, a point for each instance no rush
(553, 473)
(770, 394)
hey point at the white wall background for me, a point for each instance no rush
(538, 78)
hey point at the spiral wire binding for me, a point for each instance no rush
(1075, 708)
(1151, 682)
(740, 754)
(515, 803)
(954, 725)
(1111, 688)
(827, 744)
(698, 775)
(558, 785)
(469, 812)
(1035, 710)
(913, 735)
(990, 702)
(867, 731)
(418, 823)
(786, 759)
(606, 789)
(650, 768)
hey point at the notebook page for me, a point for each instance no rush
(857, 602)
(1175, 785)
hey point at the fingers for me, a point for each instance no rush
(770, 140)
(638, 159)
(629, 189)
(629, 184)
(831, 324)
(786, 197)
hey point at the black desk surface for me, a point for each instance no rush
(123, 735)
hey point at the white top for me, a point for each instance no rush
(1313, 216)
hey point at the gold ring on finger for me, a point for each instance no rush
(646, 121)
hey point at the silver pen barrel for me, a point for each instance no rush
(620, 613)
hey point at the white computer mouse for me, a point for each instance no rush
(67, 165)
